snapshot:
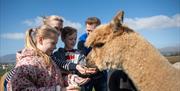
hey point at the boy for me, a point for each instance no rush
(98, 80)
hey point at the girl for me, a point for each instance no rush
(35, 70)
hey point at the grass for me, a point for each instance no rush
(173, 59)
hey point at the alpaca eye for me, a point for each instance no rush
(98, 45)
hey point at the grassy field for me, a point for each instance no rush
(173, 59)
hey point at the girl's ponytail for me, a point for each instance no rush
(30, 43)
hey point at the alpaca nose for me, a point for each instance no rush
(87, 59)
(88, 63)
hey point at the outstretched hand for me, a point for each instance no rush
(76, 80)
(68, 88)
(84, 70)
(72, 88)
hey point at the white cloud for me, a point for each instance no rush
(13, 36)
(33, 22)
(76, 25)
(154, 22)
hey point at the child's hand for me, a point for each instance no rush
(76, 80)
(71, 88)
(84, 70)
(81, 81)
(90, 70)
(81, 69)
(68, 88)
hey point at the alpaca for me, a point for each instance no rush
(115, 46)
(177, 65)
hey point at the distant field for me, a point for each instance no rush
(173, 59)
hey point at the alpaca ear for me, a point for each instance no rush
(117, 21)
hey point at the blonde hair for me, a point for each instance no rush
(47, 19)
(31, 40)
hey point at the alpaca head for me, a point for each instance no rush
(107, 42)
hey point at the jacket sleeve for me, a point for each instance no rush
(59, 58)
(80, 45)
(25, 79)
(83, 48)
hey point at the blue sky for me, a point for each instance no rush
(157, 20)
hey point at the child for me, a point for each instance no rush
(34, 69)
(69, 36)
(53, 21)
(98, 80)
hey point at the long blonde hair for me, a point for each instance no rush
(31, 40)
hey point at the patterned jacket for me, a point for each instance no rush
(32, 74)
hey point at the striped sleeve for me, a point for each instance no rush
(59, 59)
(10, 74)
(7, 82)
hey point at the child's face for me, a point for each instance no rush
(56, 24)
(49, 44)
(90, 28)
(70, 41)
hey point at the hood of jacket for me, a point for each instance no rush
(26, 52)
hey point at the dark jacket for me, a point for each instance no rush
(81, 46)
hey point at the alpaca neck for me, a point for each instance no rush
(146, 66)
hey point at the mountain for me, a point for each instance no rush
(167, 51)
(10, 58)
(172, 50)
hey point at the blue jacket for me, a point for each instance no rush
(81, 45)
